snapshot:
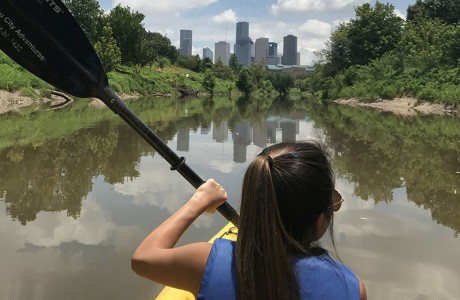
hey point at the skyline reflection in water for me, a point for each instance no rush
(75, 207)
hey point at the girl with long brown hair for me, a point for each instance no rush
(288, 201)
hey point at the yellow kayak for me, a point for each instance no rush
(229, 232)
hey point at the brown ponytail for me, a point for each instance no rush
(285, 185)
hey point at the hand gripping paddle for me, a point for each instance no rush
(44, 38)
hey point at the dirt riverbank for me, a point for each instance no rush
(10, 102)
(405, 106)
(13, 101)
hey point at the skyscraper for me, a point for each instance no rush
(185, 42)
(222, 50)
(272, 58)
(242, 29)
(289, 50)
(208, 53)
(261, 52)
(243, 44)
(272, 49)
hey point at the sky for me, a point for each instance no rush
(211, 21)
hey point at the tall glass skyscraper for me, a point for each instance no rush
(185, 42)
(243, 44)
(289, 50)
(208, 53)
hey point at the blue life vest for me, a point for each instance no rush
(319, 277)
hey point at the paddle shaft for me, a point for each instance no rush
(177, 163)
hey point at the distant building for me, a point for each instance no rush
(208, 53)
(295, 70)
(289, 50)
(243, 44)
(185, 48)
(272, 57)
(272, 49)
(222, 50)
(242, 30)
(261, 50)
(297, 58)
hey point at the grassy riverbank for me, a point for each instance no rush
(20, 88)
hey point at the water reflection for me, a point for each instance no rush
(381, 153)
(89, 195)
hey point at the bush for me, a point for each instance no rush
(429, 92)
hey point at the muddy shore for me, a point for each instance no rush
(404, 106)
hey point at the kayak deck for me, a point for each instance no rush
(229, 232)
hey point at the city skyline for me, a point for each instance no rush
(214, 20)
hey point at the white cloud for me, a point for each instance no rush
(52, 229)
(224, 166)
(227, 16)
(298, 6)
(316, 27)
(160, 7)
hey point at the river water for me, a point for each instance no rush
(79, 190)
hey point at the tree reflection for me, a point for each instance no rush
(382, 152)
(377, 152)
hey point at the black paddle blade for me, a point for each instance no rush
(44, 38)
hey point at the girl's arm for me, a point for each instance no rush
(180, 267)
(362, 290)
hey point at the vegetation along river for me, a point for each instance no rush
(79, 190)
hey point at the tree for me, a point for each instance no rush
(375, 31)
(107, 49)
(190, 62)
(89, 15)
(445, 10)
(234, 64)
(258, 71)
(129, 33)
(430, 44)
(244, 82)
(222, 71)
(206, 64)
(155, 45)
(282, 82)
(337, 54)
(209, 81)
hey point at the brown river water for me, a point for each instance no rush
(79, 190)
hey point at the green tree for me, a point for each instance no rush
(430, 44)
(337, 53)
(206, 64)
(266, 87)
(209, 81)
(107, 49)
(234, 64)
(445, 10)
(244, 82)
(221, 71)
(89, 15)
(282, 82)
(129, 33)
(156, 45)
(375, 31)
(258, 71)
(193, 62)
